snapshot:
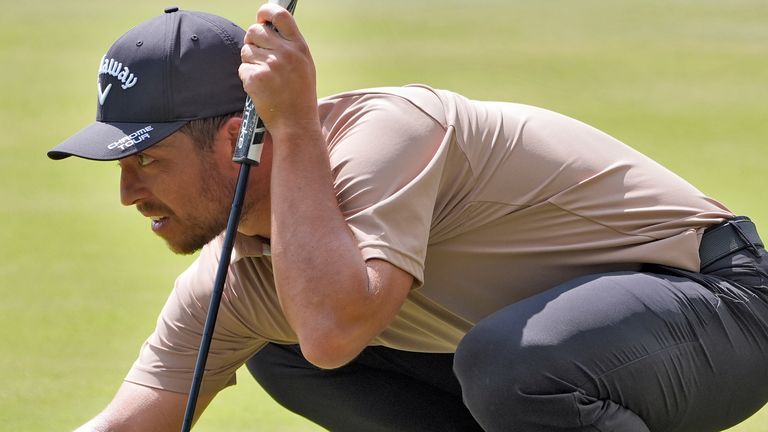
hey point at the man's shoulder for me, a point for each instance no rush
(199, 276)
(244, 247)
(419, 97)
(410, 90)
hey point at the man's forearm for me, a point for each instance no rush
(94, 425)
(136, 408)
(321, 277)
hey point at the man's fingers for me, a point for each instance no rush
(281, 20)
(259, 35)
(277, 69)
(250, 53)
(273, 26)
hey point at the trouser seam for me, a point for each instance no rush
(580, 386)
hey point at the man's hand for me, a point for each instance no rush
(278, 72)
(136, 408)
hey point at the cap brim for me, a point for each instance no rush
(112, 141)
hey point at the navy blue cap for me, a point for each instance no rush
(158, 76)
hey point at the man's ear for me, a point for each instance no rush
(231, 131)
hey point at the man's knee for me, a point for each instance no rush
(490, 366)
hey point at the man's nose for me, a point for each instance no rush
(132, 188)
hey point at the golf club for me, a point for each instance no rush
(247, 153)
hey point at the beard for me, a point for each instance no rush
(203, 220)
(217, 192)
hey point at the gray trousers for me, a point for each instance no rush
(659, 350)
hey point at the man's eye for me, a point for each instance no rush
(144, 160)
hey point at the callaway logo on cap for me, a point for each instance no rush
(116, 69)
(158, 76)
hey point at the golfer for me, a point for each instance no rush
(412, 260)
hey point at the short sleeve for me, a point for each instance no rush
(167, 358)
(382, 152)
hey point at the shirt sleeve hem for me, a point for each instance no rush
(177, 385)
(396, 258)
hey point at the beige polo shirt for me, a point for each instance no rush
(484, 203)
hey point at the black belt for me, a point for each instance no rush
(728, 237)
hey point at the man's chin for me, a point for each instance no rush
(182, 250)
(186, 246)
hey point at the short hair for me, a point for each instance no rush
(202, 131)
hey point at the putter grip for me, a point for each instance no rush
(251, 138)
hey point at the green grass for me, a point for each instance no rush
(82, 278)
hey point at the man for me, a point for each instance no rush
(409, 259)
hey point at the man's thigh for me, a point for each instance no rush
(665, 348)
(381, 390)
